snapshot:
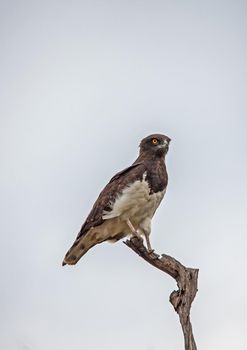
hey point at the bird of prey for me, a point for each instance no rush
(128, 202)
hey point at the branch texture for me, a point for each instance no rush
(186, 279)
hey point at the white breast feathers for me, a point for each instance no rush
(135, 202)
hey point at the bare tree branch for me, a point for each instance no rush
(186, 279)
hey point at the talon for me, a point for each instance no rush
(157, 256)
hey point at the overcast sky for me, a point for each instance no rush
(82, 82)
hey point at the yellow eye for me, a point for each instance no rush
(154, 141)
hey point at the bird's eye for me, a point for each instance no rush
(154, 141)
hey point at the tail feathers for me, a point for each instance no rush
(78, 249)
(81, 246)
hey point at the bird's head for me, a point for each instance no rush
(155, 144)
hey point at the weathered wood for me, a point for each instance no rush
(186, 279)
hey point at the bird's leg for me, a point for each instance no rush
(133, 230)
(136, 234)
(150, 250)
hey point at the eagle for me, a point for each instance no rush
(126, 205)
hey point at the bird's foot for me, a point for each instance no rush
(149, 248)
(137, 236)
(153, 254)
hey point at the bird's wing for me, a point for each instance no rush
(109, 194)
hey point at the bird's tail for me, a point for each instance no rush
(79, 248)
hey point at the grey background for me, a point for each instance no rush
(82, 82)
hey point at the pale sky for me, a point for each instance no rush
(82, 82)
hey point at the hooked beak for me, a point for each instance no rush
(165, 144)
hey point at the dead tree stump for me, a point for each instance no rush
(186, 279)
